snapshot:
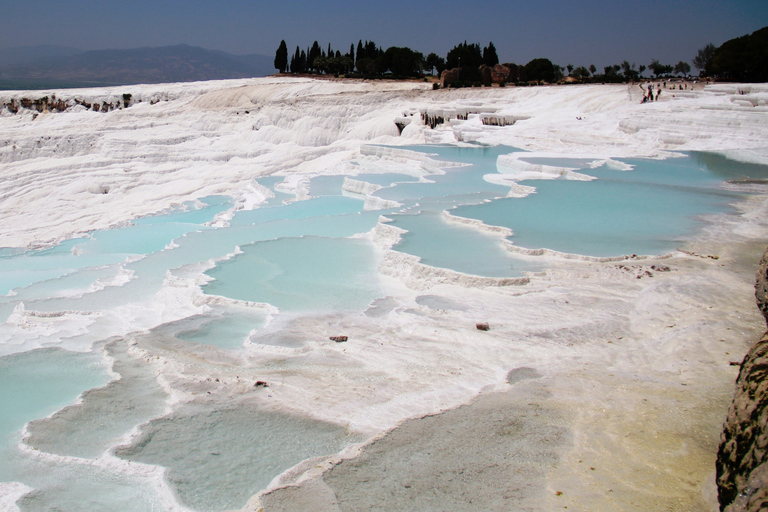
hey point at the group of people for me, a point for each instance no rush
(649, 95)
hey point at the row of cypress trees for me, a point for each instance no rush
(744, 58)
(369, 59)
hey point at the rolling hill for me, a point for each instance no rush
(48, 67)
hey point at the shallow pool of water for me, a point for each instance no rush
(35, 384)
(651, 209)
(301, 257)
(301, 274)
(217, 458)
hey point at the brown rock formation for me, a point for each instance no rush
(761, 286)
(54, 104)
(514, 71)
(449, 76)
(742, 459)
(497, 74)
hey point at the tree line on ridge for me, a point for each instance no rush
(743, 59)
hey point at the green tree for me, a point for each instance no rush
(299, 61)
(302, 62)
(540, 70)
(610, 74)
(281, 57)
(744, 58)
(320, 64)
(581, 73)
(682, 68)
(367, 66)
(593, 69)
(360, 53)
(402, 62)
(313, 54)
(435, 62)
(569, 67)
(468, 58)
(659, 69)
(703, 59)
(490, 57)
(629, 71)
(558, 75)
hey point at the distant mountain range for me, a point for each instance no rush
(43, 67)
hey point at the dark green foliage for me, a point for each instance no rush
(514, 72)
(402, 62)
(359, 55)
(313, 54)
(744, 59)
(281, 57)
(703, 60)
(659, 69)
(558, 75)
(540, 70)
(581, 73)
(682, 68)
(436, 63)
(631, 72)
(490, 58)
(367, 66)
(367, 57)
(299, 61)
(468, 58)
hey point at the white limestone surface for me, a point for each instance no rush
(631, 363)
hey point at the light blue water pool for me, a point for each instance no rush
(457, 247)
(385, 180)
(301, 257)
(301, 274)
(649, 210)
(35, 384)
(217, 458)
(228, 328)
(106, 247)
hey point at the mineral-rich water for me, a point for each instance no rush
(649, 210)
(206, 293)
(305, 274)
(35, 384)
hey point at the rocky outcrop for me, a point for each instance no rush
(742, 459)
(497, 74)
(45, 104)
(742, 465)
(761, 286)
(449, 76)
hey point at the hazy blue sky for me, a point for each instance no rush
(565, 31)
